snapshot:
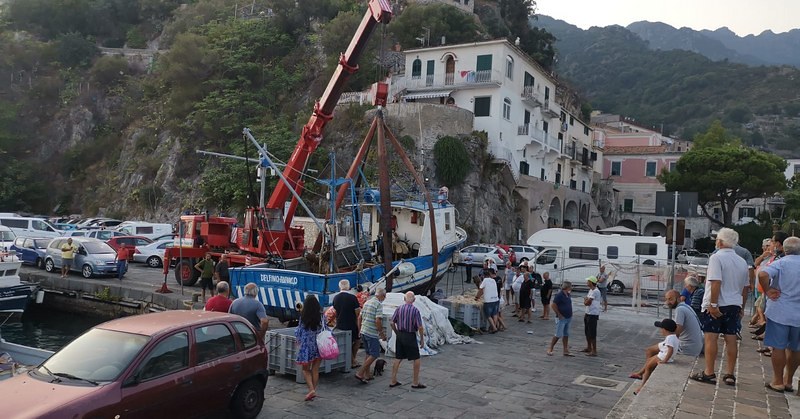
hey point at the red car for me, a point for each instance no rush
(173, 364)
(130, 242)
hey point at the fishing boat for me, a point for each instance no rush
(282, 289)
(14, 295)
(16, 359)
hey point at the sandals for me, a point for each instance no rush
(777, 390)
(396, 384)
(419, 386)
(635, 376)
(729, 379)
(703, 378)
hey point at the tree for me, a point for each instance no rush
(452, 160)
(724, 173)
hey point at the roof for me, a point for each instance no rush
(155, 323)
(639, 149)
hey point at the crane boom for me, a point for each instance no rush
(379, 11)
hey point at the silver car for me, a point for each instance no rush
(153, 253)
(94, 257)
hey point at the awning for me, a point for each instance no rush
(428, 95)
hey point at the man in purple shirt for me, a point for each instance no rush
(406, 323)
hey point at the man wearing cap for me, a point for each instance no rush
(592, 302)
(727, 286)
(562, 307)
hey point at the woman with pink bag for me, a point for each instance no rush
(306, 337)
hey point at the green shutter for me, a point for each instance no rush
(484, 63)
(429, 70)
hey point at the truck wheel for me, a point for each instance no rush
(186, 273)
(616, 287)
(248, 399)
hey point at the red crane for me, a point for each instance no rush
(267, 231)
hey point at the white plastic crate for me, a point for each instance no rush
(471, 315)
(283, 352)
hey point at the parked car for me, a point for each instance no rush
(172, 364)
(524, 253)
(7, 237)
(152, 254)
(29, 227)
(105, 223)
(31, 251)
(93, 257)
(480, 252)
(145, 229)
(692, 257)
(165, 237)
(129, 241)
(104, 235)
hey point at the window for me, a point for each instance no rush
(648, 249)
(170, 355)
(583, 186)
(245, 334)
(484, 63)
(616, 168)
(581, 252)
(747, 212)
(650, 169)
(672, 166)
(796, 168)
(509, 68)
(429, 73)
(546, 94)
(213, 342)
(141, 242)
(585, 130)
(416, 69)
(571, 120)
(612, 252)
(483, 106)
(144, 230)
(12, 223)
(627, 205)
(447, 223)
(545, 126)
(529, 81)
(40, 225)
(547, 257)
(507, 109)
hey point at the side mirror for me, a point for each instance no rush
(131, 381)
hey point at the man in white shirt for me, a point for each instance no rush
(491, 301)
(593, 304)
(727, 286)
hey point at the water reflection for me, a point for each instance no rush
(47, 329)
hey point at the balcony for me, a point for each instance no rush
(538, 137)
(551, 112)
(570, 152)
(506, 157)
(457, 80)
(531, 97)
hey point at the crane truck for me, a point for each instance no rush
(267, 234)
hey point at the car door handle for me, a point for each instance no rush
(185, 382)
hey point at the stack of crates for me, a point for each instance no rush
(471, 315)
(283, 352)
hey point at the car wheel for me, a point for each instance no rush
(154, 262)
(49, 266)
(248, 399)
(87, 271)
(616, 287)
(185, 273)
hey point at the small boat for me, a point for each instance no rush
(14, 295)
(15, 358)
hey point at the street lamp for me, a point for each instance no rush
(793, 225)
(776, 202)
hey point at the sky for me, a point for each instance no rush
(743, 17)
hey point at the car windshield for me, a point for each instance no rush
(97, 248)
(98, 355)
(7, 236)
(41, 243)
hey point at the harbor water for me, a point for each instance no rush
(44, 328)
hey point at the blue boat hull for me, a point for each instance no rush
(15, 299)
(281, 289)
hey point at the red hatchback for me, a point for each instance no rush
(171, 364)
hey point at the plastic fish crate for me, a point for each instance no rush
(282, 347)
(471, 315)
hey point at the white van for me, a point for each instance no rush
(144, 229)
(30, 227)
(7, 238)
(574, 255)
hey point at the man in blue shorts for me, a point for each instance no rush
(372, 331)
(781, 283)
(727, 286)
(562, 307)
(491, 300)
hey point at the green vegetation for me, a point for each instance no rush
(452, 161)
(725, 173)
